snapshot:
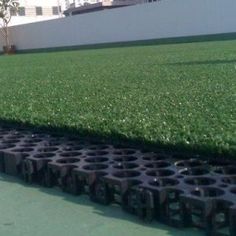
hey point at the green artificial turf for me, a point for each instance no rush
(181, 95)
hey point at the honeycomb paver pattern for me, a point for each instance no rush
(175, 189)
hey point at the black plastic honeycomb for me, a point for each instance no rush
(178, 190)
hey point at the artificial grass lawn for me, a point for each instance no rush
(181, 94)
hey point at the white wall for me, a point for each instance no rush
(20, 20)
(168, 18)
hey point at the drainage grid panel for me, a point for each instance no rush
(174, 189)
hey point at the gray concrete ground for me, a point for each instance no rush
(35, 211)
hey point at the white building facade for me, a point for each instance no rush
(37, 10)
(79, 3)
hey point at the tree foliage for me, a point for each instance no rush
(6, 6)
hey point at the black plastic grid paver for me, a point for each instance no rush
(175, 189)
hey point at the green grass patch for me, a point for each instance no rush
(179, 95)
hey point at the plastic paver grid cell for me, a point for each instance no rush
(178, 190)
